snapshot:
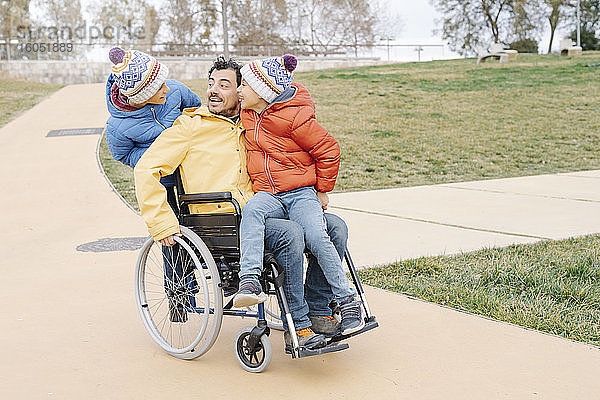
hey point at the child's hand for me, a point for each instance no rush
(324, 199)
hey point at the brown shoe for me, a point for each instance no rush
(306, 338)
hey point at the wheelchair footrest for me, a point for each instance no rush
(323, 350)
(370, 324)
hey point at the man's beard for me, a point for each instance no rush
(229, 112)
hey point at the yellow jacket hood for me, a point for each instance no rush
(211, 154)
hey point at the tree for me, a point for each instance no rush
(259, 23)
(136, 24)
(590, 24)
(297, 16)
(589, 41)
(225, 25)
(325, 25)
(525, 26)
(62, 18)
(493, 11)
(333, 24)
(13, 13)
(526, 20)
(555, 13)
(190, 21)
(466, 24)
(359, 24)
(152, 24)
(590, 15)
(62, 12)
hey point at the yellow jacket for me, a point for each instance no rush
(211, 153)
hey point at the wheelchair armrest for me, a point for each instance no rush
(196, 198)
(217, 197)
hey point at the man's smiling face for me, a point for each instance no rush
(221, 93)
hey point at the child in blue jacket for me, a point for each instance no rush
(142, 103)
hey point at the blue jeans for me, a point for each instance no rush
(173, 268)
(317, 291)
(302, 206)
(285, 239)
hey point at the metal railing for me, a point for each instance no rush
(48, 50)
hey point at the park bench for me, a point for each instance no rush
(495, 52)
(568, 48)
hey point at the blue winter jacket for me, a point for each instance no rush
(130, 133)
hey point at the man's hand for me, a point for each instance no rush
(324, 199)
(169, 241)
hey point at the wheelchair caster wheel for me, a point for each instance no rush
(252, 358)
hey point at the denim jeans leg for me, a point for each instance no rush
(317, 291)
(173, 269)
(172, 199)
(252, 231)
(304, 207)
(285, 239)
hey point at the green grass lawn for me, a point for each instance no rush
(551, 286)
(18, 95)
(120, 175)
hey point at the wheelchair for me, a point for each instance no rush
(181, 290)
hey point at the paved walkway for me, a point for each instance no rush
(70, 328)
(451, 218)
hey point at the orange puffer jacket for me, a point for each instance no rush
(287, 148)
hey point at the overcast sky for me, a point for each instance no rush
(417, 25)
(417, 20)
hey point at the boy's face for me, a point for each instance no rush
(160, 96)
(249, 98)
(221, 94)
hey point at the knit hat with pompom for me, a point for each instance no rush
(271, 76)
(138, 75)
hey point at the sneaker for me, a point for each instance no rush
(306, 338)
(177, 312)
(325, 325)
(250, 293)
(229, 291)
(352, 319)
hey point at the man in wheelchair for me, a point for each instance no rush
(207, 145)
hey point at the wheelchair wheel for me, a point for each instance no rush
(178, 295)
(252, 360)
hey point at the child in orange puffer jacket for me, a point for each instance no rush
(293, 162)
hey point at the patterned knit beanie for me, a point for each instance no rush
(271, 76)
(138, 75)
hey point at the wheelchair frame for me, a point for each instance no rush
(211, 243)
